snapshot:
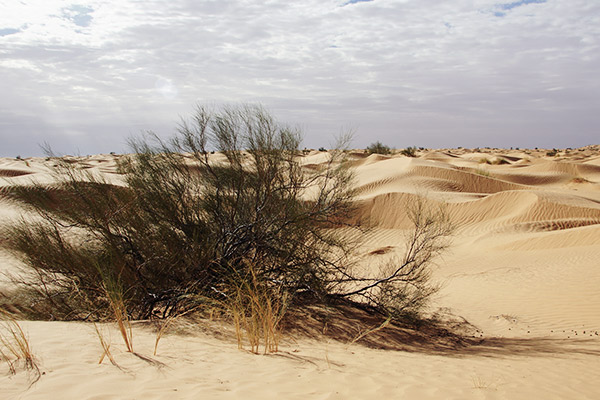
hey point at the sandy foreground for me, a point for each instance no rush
(523, 270)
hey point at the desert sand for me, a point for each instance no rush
(522, 276)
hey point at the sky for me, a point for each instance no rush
(84, 76)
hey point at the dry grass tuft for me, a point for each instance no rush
(106, 347)
(382, 250)
(369, 331)
(482, 172)
(162, 329)
(163, 325)
(257, 310)
(481, 383)
(14, 345)
(118, 307)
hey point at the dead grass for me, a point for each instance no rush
(165, 324)
(162, 329)
(482, 172)
(382, 250)
(105, 346)
(257, 312)
(480, 382)
(119, 310)
(15, 349)
(366, 332)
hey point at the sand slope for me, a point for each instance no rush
(523, 270)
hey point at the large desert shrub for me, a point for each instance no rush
(187, 222)
(246, 228)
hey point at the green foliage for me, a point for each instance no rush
(245, 227)
(483, 172)
(186, 222)
(409, 152)
(378, 148)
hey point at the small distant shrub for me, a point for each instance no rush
(498, 161)
(409, 152)
(579, 179)
(552, 153)
(495, 161)
(322, 149)
(378, 148)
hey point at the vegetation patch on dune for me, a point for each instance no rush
(247, 230)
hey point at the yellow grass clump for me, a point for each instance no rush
(257, 310)
(14, 345)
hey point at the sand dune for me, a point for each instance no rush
(522, 270)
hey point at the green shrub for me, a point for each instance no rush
(249, 229)
(409, 152)
(378, 148)
(185, 224)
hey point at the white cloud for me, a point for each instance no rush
(431, 73)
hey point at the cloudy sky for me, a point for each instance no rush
(86, 75)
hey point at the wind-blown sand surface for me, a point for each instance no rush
(523, 270)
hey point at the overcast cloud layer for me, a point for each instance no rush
(84, 76)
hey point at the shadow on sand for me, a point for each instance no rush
(448, 336)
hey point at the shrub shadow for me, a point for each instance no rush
(446, 336)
